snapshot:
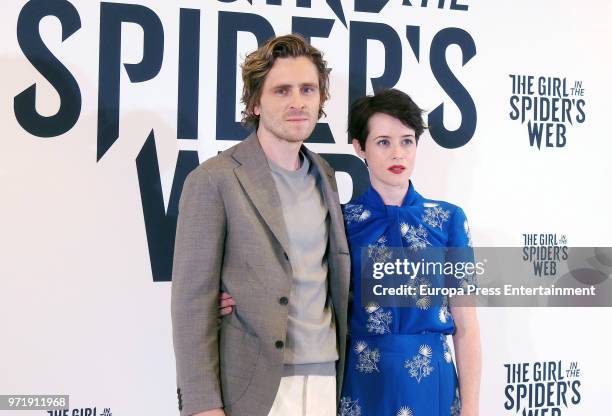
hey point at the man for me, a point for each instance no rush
(262, 221)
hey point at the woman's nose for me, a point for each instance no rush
(396, 152)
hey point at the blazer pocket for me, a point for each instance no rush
(238, 356)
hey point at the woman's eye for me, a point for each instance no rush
(382, 142)
(408, 141)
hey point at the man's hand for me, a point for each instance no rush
(225, 304)
(213, 412)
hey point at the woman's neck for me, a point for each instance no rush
(391, 195)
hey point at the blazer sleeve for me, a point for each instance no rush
(198, 255)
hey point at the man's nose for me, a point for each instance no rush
(297, 100)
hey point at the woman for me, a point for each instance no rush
(398, 361)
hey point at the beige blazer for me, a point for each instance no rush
(231, 236)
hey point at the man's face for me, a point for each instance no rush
(288, 108)
(390, 151)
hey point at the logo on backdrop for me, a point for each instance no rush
(549, 105)
(544, 252)
(192, 48)
(542, 388)
(84, 411)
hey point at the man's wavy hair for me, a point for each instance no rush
(257, 65)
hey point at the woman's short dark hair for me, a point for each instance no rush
(392, 102)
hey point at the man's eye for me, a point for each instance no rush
(281, 91)
(308, 90)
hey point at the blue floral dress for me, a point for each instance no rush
(398, 359)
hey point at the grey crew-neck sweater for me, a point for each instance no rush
(311, 346)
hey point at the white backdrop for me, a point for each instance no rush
(80, 312)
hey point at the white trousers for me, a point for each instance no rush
(305, 396)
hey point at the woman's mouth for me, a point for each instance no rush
(397, 169)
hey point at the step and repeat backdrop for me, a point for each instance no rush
(105, 107)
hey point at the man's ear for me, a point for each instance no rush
(358, 149)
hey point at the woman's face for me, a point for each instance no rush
(390, 151)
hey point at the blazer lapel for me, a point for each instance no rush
(255, 177)
(330, 196)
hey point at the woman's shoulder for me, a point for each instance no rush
(356, 211)
(443, 214)
(438, 205)
(356, 203)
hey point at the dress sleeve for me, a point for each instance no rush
(459, 250)
(459, 230)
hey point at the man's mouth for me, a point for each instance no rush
(397, 169)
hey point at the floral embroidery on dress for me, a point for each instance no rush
(379, 320)
(419, 367)
(436, 216)
(416, 237)
(379, 252)
(425, 350)
(368, 358)
(414, 284)
(424, 302)
(455, 409)
(371, 307)
(444, 314)
(405, 411)
(447, 354)
(349, 407)
(417, 284)
(360, 346)
(355, 213)
(468, 233)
